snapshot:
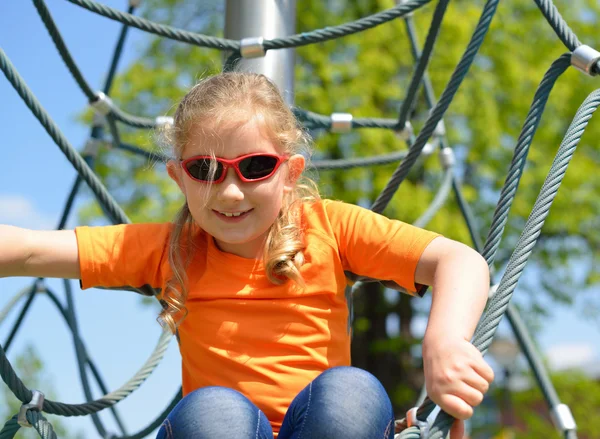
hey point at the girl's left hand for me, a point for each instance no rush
(456, 376)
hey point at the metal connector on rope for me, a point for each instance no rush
(252, 47)
(103, 104)
(413, 421)
(447, 158)
(341, 122)
(164, 121)
(407, 132)
(584, 58)
(92, 147)
(36, 403)
(563, 418)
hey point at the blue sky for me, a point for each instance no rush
(34, 182)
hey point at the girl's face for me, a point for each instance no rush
(258, 202)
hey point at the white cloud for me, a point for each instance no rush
(16, 210)
(576, 355)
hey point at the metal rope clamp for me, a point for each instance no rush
(102, 104)
(563, 418)
(252, 47)
(407, 132)
(36, 403)
(341, 122)
(447, 158)
(413, 421)
(584, 58)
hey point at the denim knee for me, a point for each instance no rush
(343, 402)
(212, 412)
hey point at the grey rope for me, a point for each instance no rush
(423, 61)
(560, 26)
(440, 108)
(37, 421)
(438, 201)
(76, 160)
(158, 29)
(62, 48)
(511, 184)
(316, 36)
(516, 264)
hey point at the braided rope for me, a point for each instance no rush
(560, 26)
(440, 108)
(513, 178)
(516, 264)
(511, 184)
(52, 129)
(423, 61)
(37, 421)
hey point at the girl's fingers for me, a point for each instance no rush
(455, 406)
(483, 369)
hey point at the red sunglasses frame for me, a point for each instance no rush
(235, 164)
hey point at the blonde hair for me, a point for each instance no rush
(215, 102)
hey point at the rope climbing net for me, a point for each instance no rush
(415, 424)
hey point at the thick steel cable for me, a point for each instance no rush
(37, 421)
(154, 156)
(13, 302)
(510, 186)
(154, 424)
(440, 108)
(516, 264)
(438, 201)
(313, 120)
(81, 355)
(423, 61)
(117, 53)
(358, 162)
(329, 33)
(560, 26)
(316, 36)
(72, 155)
(513, 177)
(158, 29)
(24, 394)
(46, 17)
(22, 314)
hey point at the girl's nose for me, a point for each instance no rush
(229, 189)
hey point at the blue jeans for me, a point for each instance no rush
(342, 402)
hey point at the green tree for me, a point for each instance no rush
(367, 74)
(30, 368)
(576, 390)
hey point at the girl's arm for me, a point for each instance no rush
(38, 253)
(456, 374)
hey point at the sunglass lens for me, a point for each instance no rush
(201, 169)
(258, 166)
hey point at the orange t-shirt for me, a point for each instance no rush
(243, 332)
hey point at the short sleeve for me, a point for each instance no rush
(123, 256)
(374, 247)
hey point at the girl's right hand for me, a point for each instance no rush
(36, 253)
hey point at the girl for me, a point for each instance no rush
(252, 274)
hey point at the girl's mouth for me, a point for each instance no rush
(232, 217)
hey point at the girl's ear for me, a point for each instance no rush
(296, 164)
(174, 171)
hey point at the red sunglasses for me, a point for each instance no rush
(249, 168)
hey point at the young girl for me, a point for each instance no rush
(252, 274)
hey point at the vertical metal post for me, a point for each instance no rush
(268, 19)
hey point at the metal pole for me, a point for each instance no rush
(267, 19)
